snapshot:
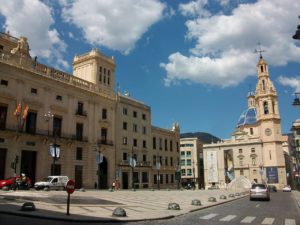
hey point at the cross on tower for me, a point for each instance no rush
(259, 50)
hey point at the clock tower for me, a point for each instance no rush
(268, 123)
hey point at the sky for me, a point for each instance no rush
(192, 61)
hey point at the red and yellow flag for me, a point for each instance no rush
(18, 110)
(25, 112)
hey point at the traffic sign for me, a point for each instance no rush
(70, 187)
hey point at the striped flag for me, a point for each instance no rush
(18, 110)
(25, 112)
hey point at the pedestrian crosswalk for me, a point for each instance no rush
(246, 219)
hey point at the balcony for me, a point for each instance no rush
(79, 138)
(105, 142)
(80, 113)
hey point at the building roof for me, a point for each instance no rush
(248, 117)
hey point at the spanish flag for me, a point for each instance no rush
(18, 110)
(25, 112)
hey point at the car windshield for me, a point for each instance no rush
(47, 179)
(259, 186)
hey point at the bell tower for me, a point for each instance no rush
(269, 127)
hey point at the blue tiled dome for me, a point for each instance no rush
(248, 117)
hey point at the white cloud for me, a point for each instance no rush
(33, 19)
(194, 8)
(114, 24)
(223, 53)
(293, 82)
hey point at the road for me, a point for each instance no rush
(281, 210)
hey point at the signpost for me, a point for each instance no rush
(70, 188)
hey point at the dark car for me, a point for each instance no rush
(16, 182)
(272, 188)
(260, 191)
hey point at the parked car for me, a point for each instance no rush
(52, 182)
(16, 182)
(260, 191)
(287, 188)
(272, 188)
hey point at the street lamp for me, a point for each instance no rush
(132, 164)
(194, 177)
(48, 117)
(99, 160)
(158, 164)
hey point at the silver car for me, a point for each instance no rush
(260, 191)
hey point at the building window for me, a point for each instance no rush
(240, 151)
(182, 154)
(79, 108)
(241, 172)
(144, 130)
(31, 122)
(160, 143)
(135, 142)
(171, 145)
(78, 153)
(144, 144)
(253, 161)
(188, 154)
(172, 178)
(154, 142)
(144, 158)
(104, 114)
(144, 116)
(59, 98)
(166, 161)
(135, 114)
(189, 172)
(166, 145)
(154, 160)
(57, 125)
(263, 85)
(241, 163)
(182, 162)
(144, 177)
(124, 111)
(251, 130)
(4, 82)
(252, 150)
(124, 156)
(171, 161)
(266, 107)
(155, 179)
(188, 162)
(100, 74)
(3, 114)
(177, 146)
(103, 135)
(124, 125)
(33, 91)
(79, 131)
(124, 140)
(167, 178)
(134, 128)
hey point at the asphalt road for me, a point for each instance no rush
(281, 210)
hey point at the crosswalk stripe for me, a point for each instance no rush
(289, 222)
(228, 218)
(209, 216)
(248, 219)
(268, 221)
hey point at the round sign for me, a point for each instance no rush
(70, 187)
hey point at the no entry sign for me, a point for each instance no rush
(70, 187)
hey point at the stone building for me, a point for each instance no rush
(52, 122)
(255, 150)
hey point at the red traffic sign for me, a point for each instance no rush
(70, 187)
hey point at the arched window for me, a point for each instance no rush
(266, 108)
(261, 68)
(273, 107)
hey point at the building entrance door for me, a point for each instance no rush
(2, 163)
(103, 174)
(28, 164)
(124, 180)
(78, 177)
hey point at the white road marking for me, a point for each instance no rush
(268, 221)
(289, 222)
(209, 216)
(228, 218)
(257, 205)
(248, 219)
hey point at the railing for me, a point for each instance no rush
(41, 69)
(105, 142)
(80, 113)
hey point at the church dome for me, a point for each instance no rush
(248, 117)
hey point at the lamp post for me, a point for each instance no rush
(48, 117)
(158, 164)
(194, 176)
(99, 160)
(132, 164)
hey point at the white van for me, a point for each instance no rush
(52, 182)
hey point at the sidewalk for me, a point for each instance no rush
(93, 205)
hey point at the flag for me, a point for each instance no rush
(18, 110)
(25, 112)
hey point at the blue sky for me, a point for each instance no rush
(192, 62)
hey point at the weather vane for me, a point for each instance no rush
(259, 50)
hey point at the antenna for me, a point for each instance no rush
(259, 50)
